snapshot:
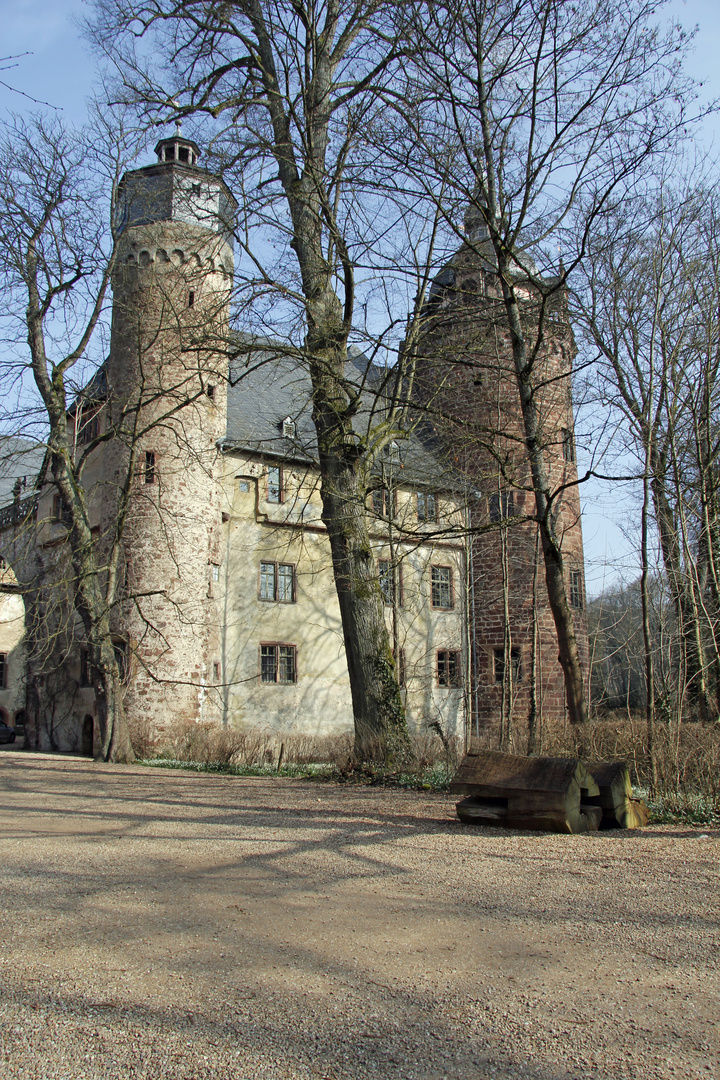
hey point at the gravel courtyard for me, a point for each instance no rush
(165, 925)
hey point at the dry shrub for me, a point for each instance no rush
(210, 744)
(687, 756)
(145, 742)
(313, 749)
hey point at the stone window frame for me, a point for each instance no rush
(448, 669)
(498, 665)
(576, 590)
(568, 446)
(149, 472)
(501, 505)
(384, 575)
(276, 646)
(430, 503)
(275, 488)
(275, 599)
(87, 424)
(451, 588)
(381, 497)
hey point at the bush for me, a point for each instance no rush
(259, 752)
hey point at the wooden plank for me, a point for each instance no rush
(493, 774)
(638, 815)
(479, 812)
(593, 815)
(616, 800)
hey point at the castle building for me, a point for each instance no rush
(225, 609)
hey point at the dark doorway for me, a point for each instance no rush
(87, 736)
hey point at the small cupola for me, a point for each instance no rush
(178, 149)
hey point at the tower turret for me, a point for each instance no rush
(167, 377)
(467, 378)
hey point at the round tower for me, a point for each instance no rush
(166, 404)
(469, 386)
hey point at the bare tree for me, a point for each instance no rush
(648, 297)
(57, 258)
(357, 133)
(295, 91)
(549, 112)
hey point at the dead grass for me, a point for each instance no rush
(434, 758)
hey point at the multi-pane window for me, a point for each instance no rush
(576, 589)
(288, 428)
(568, 445)
(277, 582)
(501, 505)
(88, 424)
(3, 670)
(383, 502)
(386, 581)
(441, 586)
(515, 661)
(120, 649)
(385, 574)
(274, 484)
(448, 668)
(426, 506)
(149, 470)
(277, 664)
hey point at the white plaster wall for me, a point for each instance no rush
(12, 627)
(319, 702)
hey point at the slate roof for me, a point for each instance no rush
(266, 388)
(20, 459)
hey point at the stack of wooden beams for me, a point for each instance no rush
(545, 794)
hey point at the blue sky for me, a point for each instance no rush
(60, 70)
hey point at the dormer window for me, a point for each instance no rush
(392, 452)
(288, 428)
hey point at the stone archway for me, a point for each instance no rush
(88, 735)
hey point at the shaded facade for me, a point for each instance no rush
(468, 385)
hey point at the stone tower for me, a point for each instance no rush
(468, 382)
(166, 400)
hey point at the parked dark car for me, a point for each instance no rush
(7, 734)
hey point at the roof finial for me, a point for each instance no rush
(178, 128)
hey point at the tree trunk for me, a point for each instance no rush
(532, 747)
(380, 727)
(647, 637)
(688, 625)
